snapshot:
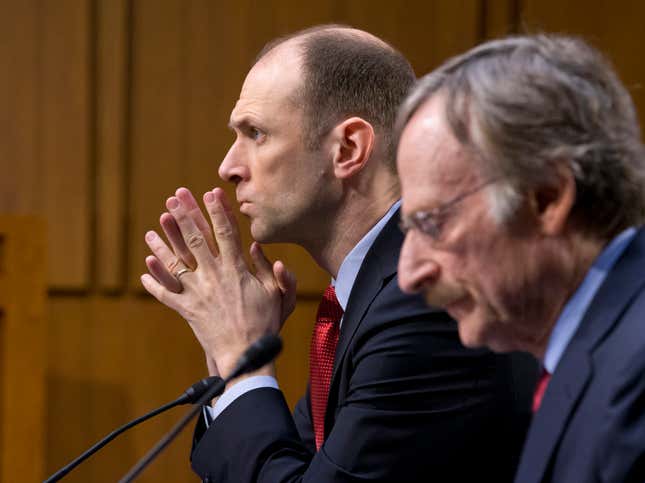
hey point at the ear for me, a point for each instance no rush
(552, 203)
(353, 141)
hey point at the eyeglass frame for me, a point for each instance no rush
(428, 222)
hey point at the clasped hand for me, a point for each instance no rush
(227, 306)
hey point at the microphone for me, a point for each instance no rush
(261, 352)
(197, 390)
(189, 396)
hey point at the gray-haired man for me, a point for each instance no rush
(523, 181)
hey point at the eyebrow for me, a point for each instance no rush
(241, 124)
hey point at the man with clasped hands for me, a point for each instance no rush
(393, 395)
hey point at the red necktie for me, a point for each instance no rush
(543, 382)
(321, 358)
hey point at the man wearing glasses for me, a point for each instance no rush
(542, 249)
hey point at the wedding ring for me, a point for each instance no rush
(180, 272)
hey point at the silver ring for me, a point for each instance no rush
(182, 271)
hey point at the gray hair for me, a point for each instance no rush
(526, 105)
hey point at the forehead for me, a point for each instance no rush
(271, 85)
(432, 164)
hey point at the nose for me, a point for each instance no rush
(233, 167)
(417, 267)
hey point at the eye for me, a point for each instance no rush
(255, 134)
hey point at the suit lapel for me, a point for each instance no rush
(379, 265)
(575, 369)
(564, 390)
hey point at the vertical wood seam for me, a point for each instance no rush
(92, 154)
(128, 125)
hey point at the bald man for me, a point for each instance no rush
(393, 394)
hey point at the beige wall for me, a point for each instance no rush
(108, 106)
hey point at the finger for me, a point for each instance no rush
(173, 233)
(195, 212)
(286, 281)
(193, 237)
(228, 210)
(165, 263)
(263, 268)
(160, 292)
(224, 227)
(158, 270)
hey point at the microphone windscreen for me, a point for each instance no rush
(262, 351)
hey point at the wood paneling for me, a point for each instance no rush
(615, 27)
(19, 98)
(112, 123)
(500, 18)
(66, 129)
(425, 32)
(111, 360)
(22, 348)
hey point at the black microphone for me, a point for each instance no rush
(258, 354)
(190, 395)
(197, 390)
(261, 352)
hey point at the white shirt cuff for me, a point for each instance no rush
(235, 391)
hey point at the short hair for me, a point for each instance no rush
(524, 104)
(349, 73)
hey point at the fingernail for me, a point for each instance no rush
(172, 203)
(209, 197)
(150, 235)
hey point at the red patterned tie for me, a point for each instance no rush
(321, 358)
(543, 382)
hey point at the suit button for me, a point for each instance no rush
(207, 480)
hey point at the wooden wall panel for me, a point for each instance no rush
(66, 126)
(425, 32)
(158, 131)
(22, 348)
(113, 30)
(19, 98)
(499, 18)
(615, 27)
(111, 360)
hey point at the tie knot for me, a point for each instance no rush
(329, 309)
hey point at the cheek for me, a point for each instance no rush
(482, 273)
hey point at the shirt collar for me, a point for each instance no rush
(348, 270)
(575, 309)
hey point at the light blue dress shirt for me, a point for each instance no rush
(343, 284)
(575, 309)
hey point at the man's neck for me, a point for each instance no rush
(346, 229)
(584, 251)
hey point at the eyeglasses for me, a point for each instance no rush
(430, 222)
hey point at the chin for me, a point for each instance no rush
(469, 338)
(476, 332)
(265, 234)
(495, 341)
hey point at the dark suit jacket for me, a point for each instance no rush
(407, 401)
(591, 425)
